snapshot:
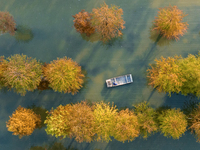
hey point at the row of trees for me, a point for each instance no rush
(23, 74)
(108, 22)
(100, 121)
(176, 74)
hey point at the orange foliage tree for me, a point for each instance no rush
(126, 127)
(169, 22)
(108, 21)
(82, 122)
(82, 23)
(3, 67)
(23, 122)
(64, 75)
(7, 23)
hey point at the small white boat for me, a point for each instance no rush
(121, 80)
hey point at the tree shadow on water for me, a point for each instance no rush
(39, 111)
(92, 38)
(23, 34)
(85, 80)
(54, 146)
(159, 40)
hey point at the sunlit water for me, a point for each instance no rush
(46, 32)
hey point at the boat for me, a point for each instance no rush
(121, 80)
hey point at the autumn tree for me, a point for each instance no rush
(23, 122)
(169, 22)
(64, 75)
(194, 122)
(108, 21)
(82, 23)
(126, 127)
(74, 121)
(176, 74)
(146, 118)
(82, 122)
(22, 73)
(3, 67)
(7, 23)
(166, 75)
(57, 121)
(104, 117)
(190, 68)
(173, 123)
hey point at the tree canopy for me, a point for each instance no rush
(169, 22)
(23, 122)
(7, 23)
(64, 75)
(108, 21)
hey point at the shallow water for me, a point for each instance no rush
(47, 33)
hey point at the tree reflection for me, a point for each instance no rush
(55, 146)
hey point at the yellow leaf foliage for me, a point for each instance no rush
(169, 22)
(173, 123)
(23, 122)
(166, 75)
(146, 118)
(104, 117)
(74, 121)
(57, 121)
(82, 122)
(108, 21)
(126, 127)
(64, 75)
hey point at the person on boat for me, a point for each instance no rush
(114, 83)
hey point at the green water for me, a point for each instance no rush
(46, 32)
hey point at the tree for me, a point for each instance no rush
(166, 75)
(195, 122)
(104, 117)
(108, 21)
(169, 22)
(173, 123)
(82, 122)
(7, 23)
(176, 74)
(57, 121)
(23, 122)
(3, 67)
(82, 23)
(146, 118)
(74, 121)
(64, 75)
(22, 73)
(127, 126)
(190, 68)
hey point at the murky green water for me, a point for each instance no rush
(46, 33)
